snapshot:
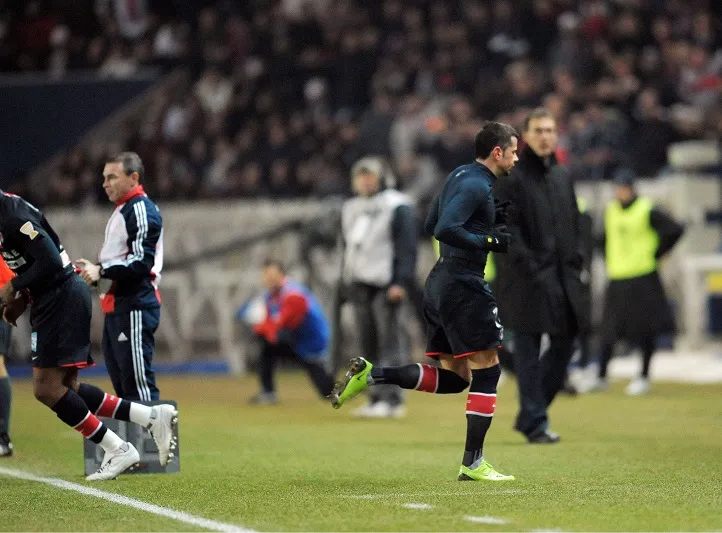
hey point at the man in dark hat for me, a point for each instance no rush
(637, 235)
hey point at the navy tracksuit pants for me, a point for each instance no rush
(128, 346)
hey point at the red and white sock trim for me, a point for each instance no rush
(428, 378)
(480, 404)
(89, 426)
(108, 406)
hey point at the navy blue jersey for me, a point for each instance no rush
(30, 247)
(463, 213)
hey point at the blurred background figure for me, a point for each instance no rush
(539, 283)
(289, 321)
(379, 271)
(636, 235)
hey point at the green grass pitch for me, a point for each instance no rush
(651, 463)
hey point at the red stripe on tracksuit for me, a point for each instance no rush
(89, 426)
(429, 379)
(108, 406)
(479, 403)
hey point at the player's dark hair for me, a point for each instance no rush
(131, 163)
(539, 112)
(271, 262)
(491, 135)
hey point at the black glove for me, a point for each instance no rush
(500, 214)
(498, 240)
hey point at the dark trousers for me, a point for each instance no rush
(382, 335)
(316, 368)
(128, 346)
(539, 379)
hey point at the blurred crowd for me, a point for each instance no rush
(286, 94)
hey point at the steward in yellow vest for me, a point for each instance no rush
(636, 309)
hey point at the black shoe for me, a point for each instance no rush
(6, 447)
(545, 437)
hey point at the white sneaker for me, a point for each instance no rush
(376, 410)
(115, 463)
(162, 421)
(638, 386)
(397, 411)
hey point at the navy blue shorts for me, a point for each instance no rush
(461, 313)
(60, 322)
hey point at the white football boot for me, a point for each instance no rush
(162, 421)
(115, 463)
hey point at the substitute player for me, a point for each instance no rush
(463, 330)
(60, 313)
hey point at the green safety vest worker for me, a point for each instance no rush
(489, 269)
(631, 242)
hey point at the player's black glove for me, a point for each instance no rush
(500, 214)
(497, 240)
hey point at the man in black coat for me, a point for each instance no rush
(539, 282)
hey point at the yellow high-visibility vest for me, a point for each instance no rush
(631, 241)
(489, 269)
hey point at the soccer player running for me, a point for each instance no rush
(60, 314)
(463, 329)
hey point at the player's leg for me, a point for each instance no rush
(6, 446)
(485, 373)
(416, 376)
(640, 385)
(54, 388)
(158, 419)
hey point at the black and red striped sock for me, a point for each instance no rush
(72, 410)
(421, 377)
(103, 404)
(479, 411)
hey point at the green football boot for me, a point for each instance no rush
(483, 472)
(353, 382)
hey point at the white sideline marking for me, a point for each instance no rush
(485, 520)
(129, 502)
(417, 506)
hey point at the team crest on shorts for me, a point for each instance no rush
(34, 341)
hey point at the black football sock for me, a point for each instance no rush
(479, 412)
(103, 404)
(421, 377)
